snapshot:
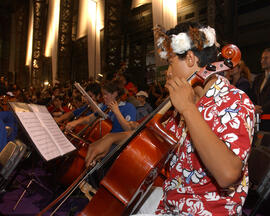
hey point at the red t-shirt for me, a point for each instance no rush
(190, 188)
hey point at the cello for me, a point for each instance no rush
(147, 150)
(87, 134)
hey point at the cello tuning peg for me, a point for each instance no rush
(228, 63)
(211, 67)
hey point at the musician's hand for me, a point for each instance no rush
(57, 119)
(71, 125)
(57, 114)
(181, 94)
(114, 106)
(258, 109)
(97, 150)
(133, 124)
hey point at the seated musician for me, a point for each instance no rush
(214, 126)
(57, 109)
(94, 91)
(144, 107)
(121, 112)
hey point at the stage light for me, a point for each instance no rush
(53, 26)
(30, 37)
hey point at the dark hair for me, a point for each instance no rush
(58, 97)
(114, 86)
(94, 88)
(266, 50)
(205, 55)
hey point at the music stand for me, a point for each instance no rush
(40, 127)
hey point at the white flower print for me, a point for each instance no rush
(230, 206)
(194, 176)
(196, 207)
(179, 167)
(229, 113)
(189, 147)
(230, 137)
(172, 129)
(212, 196)
(239, 210)
(236, 151)
(208, 115)
(213, 91)
(173, 160)
(173, 184)
(235, 123)
(243, 187)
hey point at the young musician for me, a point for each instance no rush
(214, 126)
(94, 91)
(121, 112)
(57, 109)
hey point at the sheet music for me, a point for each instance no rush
(90, 100)
(43, 130)
(39, 135)
(63, 144)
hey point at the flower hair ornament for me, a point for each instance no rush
(182, 42)
(163, 42)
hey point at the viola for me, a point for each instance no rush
(143, 155)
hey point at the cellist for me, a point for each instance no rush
(214, 127)
(121, 112)
(94, 91)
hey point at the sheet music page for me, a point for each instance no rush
(62, 143)
(37, 132)
(90, 100)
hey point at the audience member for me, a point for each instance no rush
(240, 77)
(261, 90)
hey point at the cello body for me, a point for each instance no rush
(124, 190)
(76, 163)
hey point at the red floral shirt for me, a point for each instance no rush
(190, 188)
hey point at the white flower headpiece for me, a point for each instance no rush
(181, 43)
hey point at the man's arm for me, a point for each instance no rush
(82, 120)
(65, 116)
(97, 150)
(126, 125)
(222, 163)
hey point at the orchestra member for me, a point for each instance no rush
(57, 109)
(121, 112)
(213, 123)
(94, 91)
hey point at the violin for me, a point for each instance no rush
(142, 156)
